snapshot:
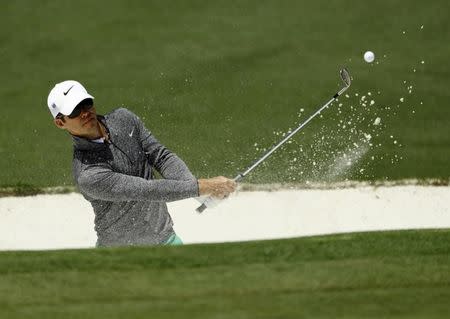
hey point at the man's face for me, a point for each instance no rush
(84, 124)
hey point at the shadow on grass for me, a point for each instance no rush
(24, 189)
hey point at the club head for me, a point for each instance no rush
(345, 76)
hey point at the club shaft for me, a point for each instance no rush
(262, 159)
(345, 77)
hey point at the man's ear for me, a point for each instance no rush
(59, 123)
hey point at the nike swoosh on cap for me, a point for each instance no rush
(65, 93)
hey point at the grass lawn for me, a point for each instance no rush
(219, 81)
(401, 274)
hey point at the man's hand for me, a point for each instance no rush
(218, 187)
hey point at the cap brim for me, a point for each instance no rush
(73, 101)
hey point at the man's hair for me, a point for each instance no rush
(60, 116)
(89, 101)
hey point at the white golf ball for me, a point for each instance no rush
(369, 56)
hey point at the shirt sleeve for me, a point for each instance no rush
(99, 181)
(168, 164)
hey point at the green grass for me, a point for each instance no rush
(212, 78)
(401, 274)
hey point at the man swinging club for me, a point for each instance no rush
(113, 159)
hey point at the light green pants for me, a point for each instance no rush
(174, 240)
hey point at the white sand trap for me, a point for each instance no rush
(66, 221)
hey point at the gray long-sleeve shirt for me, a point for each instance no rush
(116, 178)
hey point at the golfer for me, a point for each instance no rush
(114, 158)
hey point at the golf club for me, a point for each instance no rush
(345, 76)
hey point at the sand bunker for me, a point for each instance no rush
(66, 221)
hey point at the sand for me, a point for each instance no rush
(67, 221)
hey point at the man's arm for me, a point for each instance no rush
(100, 182)
(173, 168)
(168, 164)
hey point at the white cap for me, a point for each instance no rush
(65, 96)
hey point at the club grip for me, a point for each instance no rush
(207, 202)
(201, 208)
(210, 202)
